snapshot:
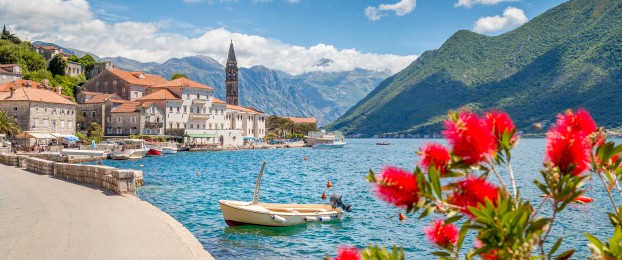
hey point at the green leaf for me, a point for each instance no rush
(452, 219)
(555, 247)
(594, 240)
(565, 255)
(371, 177)
(441, 254)
(426, 212)
(435, 181)
(463, 231)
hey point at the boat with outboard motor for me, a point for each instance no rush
(237, 213)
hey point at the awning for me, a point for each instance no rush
(66, 137)
(35, 135)
(252, 138)
(201, 135)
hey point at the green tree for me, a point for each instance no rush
(22, 54)
(8, 125)
(178, 75)
(88, 62)
(73, 58)
(6, 35)
(57, 65)
(38, 75)
(95, 132)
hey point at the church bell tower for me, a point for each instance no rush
(231, 77)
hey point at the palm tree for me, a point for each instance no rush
(8, 125)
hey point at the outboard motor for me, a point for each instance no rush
(335, 201)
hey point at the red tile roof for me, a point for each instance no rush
(20, 83)
(101, 98)
(135, 77)
(302, 120)
(40, 95)
(218, 101)
(90, 93)
(162, 94)
(183, 82)
(127, 107)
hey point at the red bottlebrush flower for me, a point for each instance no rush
(437, 154)
(398, 187)
(442, 235)
(568, 142)
(491, 255)
(471, 192)
(470, 138)
(348, 253)
(499, 123)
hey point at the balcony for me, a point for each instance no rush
(154, 124)
(199, 101)
(198, 116)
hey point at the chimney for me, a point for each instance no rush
(12, 91)
(59, 89)
(45, 82)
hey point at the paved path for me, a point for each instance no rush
(42, 217)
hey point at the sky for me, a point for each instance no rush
(289, 35)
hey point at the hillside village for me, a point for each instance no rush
(125, 103)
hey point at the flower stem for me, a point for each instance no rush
(513, 181)
(539, 207)
(494, 170)
(555, 204)
(615, 178)
(608, 193)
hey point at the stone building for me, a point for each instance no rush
(127, 85)
(10, 72)
(42, 110)
(48, 52)
(135, 117)
(94, 107)
(99, 68)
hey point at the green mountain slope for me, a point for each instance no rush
(568, 57)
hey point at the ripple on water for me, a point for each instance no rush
(171, 183)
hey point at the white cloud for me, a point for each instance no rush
(401, 8)
(512, 17)
(293, 1)
(470, 3)
(76, 27)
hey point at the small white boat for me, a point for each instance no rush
(131, 149)
(169, 148)
(238, 213)
(330, 145)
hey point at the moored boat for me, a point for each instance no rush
(383, 143)
(153, 152)
(330, 145)
(169, 150)
(130, 149)
(325, 140)
(238, 213)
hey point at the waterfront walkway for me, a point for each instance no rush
(42, 217)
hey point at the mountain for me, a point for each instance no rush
(568, 57)
(323, 95)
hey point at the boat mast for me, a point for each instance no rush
(256, 192)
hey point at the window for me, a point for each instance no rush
(118, 119)
(192, 110)
(210, 110)
(177, 110)
(170, 125)
(191, 126)
(84, 113)
(184, 125)
(45, 122)
(171, 109)
(108, 119)
(148, 131)
(93, 114)
(133, 119)
(14, 108)
(69, 124)
(210, 126)
(152, 110)
(185, 109)
(62, 124)
(119, 130)
(157, 119)
(109, 130)
(35, 123)
(177, 125)
(36, 109)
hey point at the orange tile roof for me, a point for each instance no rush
(101, 98)
(20, 83)
(40, 95)
(90, 93)
(127, 107)
(302, 120)
(243, 109)
(256, 110)
(162, 94)
(183, 82)
(134, 77)
(117, 100)
(218, 101)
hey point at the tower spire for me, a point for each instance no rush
(231, 77)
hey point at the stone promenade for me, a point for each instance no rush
(42, 217)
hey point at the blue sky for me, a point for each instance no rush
(343, 30)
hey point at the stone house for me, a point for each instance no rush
(99, 68)
(10, 72)
(94, 107)
(48, 52)
(134, 117)
(73, 69)
(42, 110)
(127, 85)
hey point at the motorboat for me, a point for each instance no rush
(237, 213)
(169, 148)
(332, 145)
(325, 140)
(383, 143)
(153, 152)
(130, 149)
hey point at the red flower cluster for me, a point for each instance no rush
(434, 153)
(499, 123)
(348, 253)
(470, 138)
(471, 192)
(442, 235)
(398, 187)
(568, 142)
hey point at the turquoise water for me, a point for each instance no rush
(171, 183)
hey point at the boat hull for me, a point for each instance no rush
(153, 152)
(329, 146)
(238, 213)
(129, 155)
(169, 150)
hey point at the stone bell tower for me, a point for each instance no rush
(231, 77)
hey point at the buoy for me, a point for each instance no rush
(305, 158)
(324, 195)
(584, 199)
(402, 217)
(279, 219)
(198, 173)
(310, 219)
(329, 185)
(324, 218)
(142, 165)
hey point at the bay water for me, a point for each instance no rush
(188, 186)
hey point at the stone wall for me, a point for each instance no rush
(67, 158)
(117, 180)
